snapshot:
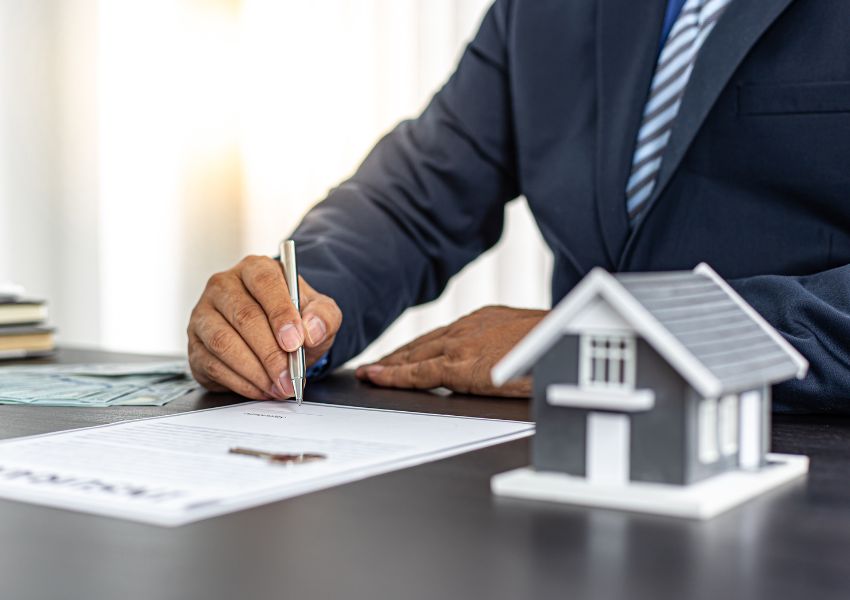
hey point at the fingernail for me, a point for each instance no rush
(374, 369)
(286, 384)
(316, 330)
(289, 338)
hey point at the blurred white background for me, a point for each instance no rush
(145, 144)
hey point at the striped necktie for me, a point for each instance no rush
(675, 64)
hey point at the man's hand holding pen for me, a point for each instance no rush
(244, 325)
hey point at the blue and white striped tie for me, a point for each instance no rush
(672, 72)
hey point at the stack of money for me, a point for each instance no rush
(98, 385)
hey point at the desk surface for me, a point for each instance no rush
(434, 531)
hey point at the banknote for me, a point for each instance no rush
(96, 385)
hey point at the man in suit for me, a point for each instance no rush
(645, 136)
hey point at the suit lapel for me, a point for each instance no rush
(627, 45)
(724, 50)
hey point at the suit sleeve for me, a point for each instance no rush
(813, 314)
(427, 200)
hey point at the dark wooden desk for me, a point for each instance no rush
(434, 531)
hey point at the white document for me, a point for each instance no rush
(177, 469)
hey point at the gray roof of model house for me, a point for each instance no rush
(694, 319)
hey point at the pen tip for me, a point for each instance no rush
(298, 384)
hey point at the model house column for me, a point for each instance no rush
(753, 430)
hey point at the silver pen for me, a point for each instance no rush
(297, 365)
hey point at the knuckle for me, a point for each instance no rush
(216, 282)
(198, 373)
(457, 330)
(420, 375)
(330, 304)
(212, 369)
(454, 348)
(274, 357)
(266, 278)
(197, 318)
(283, 312)
(325, 304)
(335, 312)
(391, 376)
(220, 342)
(245, 315)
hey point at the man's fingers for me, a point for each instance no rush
(422, 339)
(424, 347)
(216, 376)
(424, 351)
(421, 375)
(225, 344)
(263, 278)
(440, 372)
(250, 322)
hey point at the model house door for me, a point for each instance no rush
(608, 448)
(752, 432)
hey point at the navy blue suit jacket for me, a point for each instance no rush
(546, 103)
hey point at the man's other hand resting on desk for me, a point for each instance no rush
(459, 356)
(244, 324)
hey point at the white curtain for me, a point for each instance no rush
(145, 144)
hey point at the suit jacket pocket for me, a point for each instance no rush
(794, 98)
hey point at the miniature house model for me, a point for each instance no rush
(652, 393)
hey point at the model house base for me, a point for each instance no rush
(702, 500)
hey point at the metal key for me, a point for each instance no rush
(292, 458)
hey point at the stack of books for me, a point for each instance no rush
(23, 325)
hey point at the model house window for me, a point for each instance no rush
(707, 430)
(607, 361)
(729, 424)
